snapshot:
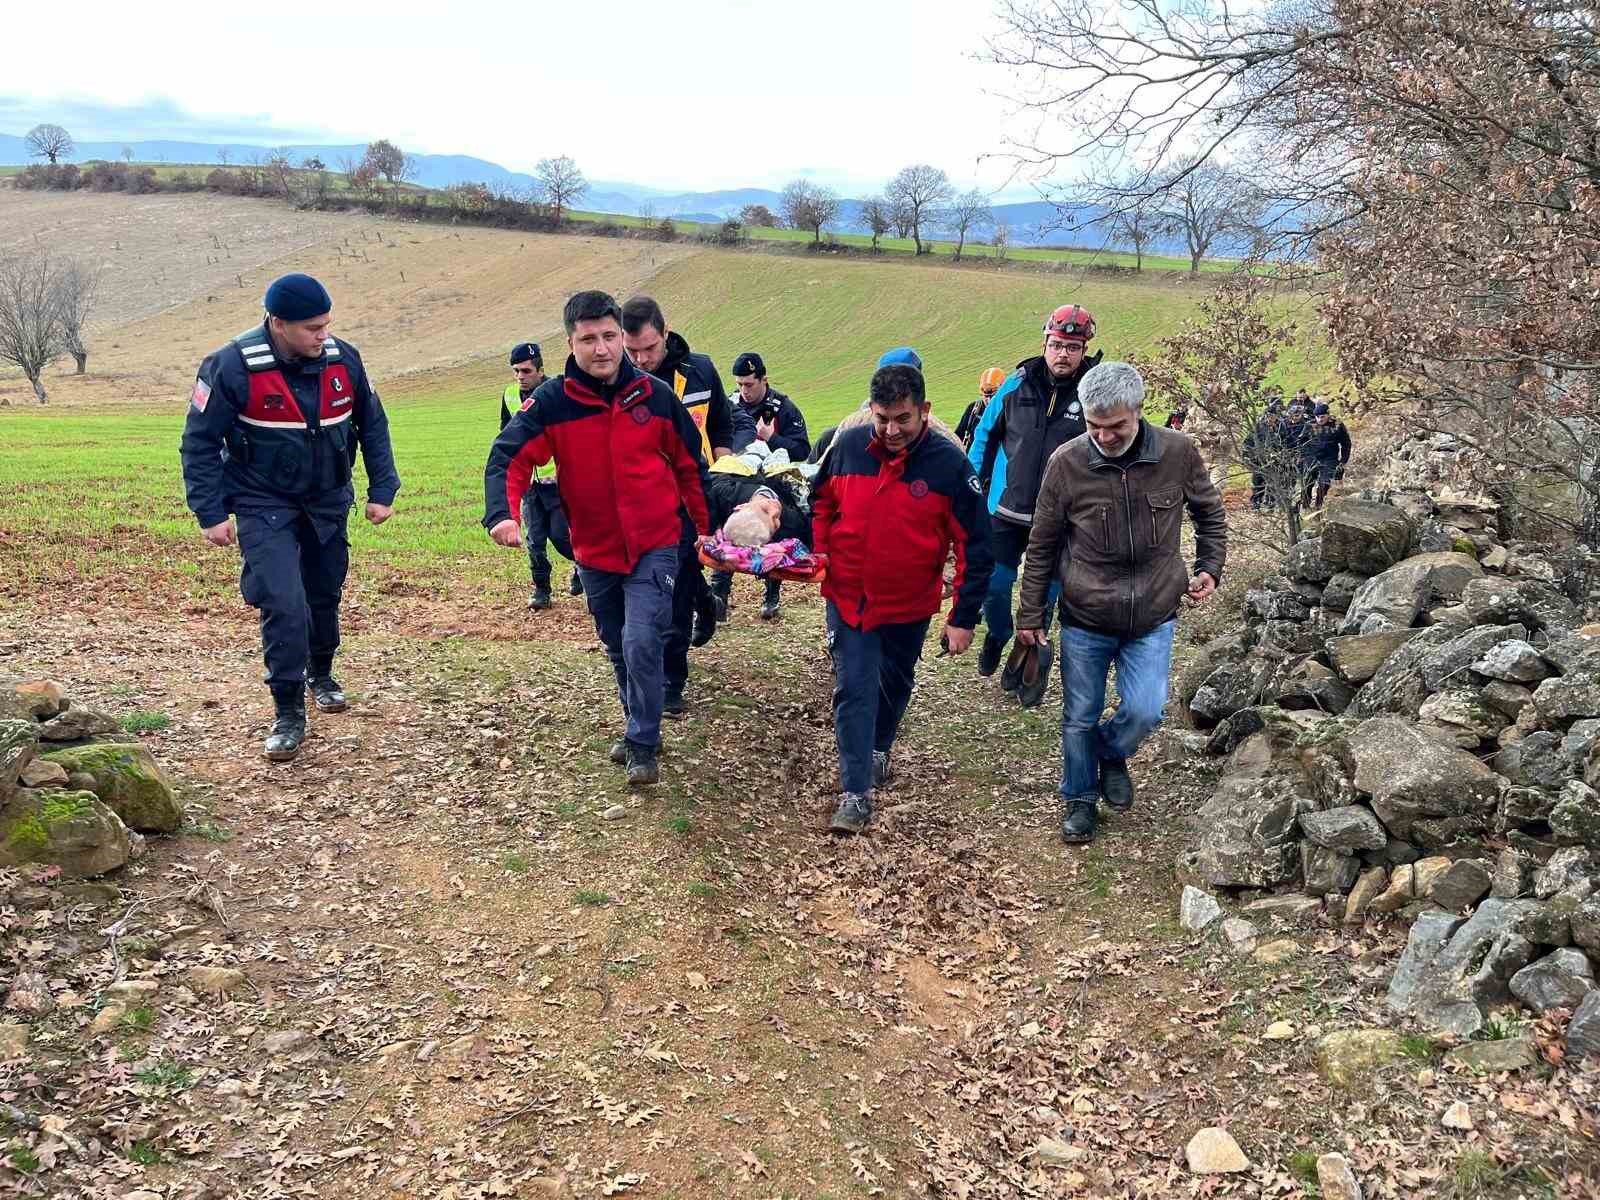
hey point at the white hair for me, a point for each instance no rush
(747, 527)
(1110, 387)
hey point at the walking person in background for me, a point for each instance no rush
(893, 499)
(543, 521)
(1035, 412)
(271, 436)
(1108, 527)
(629, 468)
(988, 384)
(1327, 452)
(661, 351)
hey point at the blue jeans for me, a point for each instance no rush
(1143, 665)
(873, 673)
(632, 614)
(1009, 543)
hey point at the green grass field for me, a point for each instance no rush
(820, 324)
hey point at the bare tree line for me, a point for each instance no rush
(44, 304)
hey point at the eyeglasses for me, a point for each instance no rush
(1055, 347)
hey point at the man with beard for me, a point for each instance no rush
(1035, 413)
(1108, 527)
(660, 351)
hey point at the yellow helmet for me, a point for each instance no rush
(989, 382)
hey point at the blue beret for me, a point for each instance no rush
(901, 356)
(526, 352)
(297, 298)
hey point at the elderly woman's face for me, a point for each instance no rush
(768, 507)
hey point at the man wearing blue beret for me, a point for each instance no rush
(271, 435)
(543, 519)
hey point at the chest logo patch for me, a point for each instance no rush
(919, 488)
(975, 484)
(641, 415)
(338, 384)
(273, 401)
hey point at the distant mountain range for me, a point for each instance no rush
(1034, 223)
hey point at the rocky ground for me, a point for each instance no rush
(445, 954)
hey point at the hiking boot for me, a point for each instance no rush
(1116, 785)
(575, 588)
(327, 693)
(989, 655)
(1035, 678)
(769, 604)
(642, 765)
(672, 704)
(880, 768)
(705, 617)
(619, 752)
(1016, 662)
(853, 813)
(1077, 822)
(288, 727)
(540, 599)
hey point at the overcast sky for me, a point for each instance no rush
(698, 94)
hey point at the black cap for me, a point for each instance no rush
(1319, 410)
(749, 363)
(526, 352)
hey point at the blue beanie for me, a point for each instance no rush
(901, 356)
(297, 298)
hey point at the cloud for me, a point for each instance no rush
(149, 119)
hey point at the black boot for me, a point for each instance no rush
(769, 603)
(575, 588)
(721, 586)
(1077, 821)
(1035, 678)
(1116, 785)
(705, 617)
(325, 689)
(673, 704)
(853, 814)
(619, 752)
(288, 727)
(642, 765)
(881, 773)
(540, 599)
(989, 655)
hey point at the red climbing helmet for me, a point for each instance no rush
(1070, 322)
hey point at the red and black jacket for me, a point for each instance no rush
(628, 459)
(889, 522)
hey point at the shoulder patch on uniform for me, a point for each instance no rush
(202, 393)
(528, 403)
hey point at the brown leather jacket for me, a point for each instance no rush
(1112, 534)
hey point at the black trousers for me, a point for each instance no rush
(685, 591)
(294, 571)
(543, 521)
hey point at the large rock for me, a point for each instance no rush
(1310, 685)
(1453, 971)
(1347, 1056)
(1507, 699)
(1247, 832)
(1214, 1152)
(1327, 872)
(1369, 885)
(1228, 689)
(1463, 716)
(1584, 924)
(1219, 651)
(1364, 536)
(128, 781)
(1395, 598)
(1358, 657)
(77, 724)
(31, 699)
(1339, 591)
(1514, 661)
(1411, 776)
(1463, 884)
(1348, 828)
(1538, 760)
(19, 742)
(1397, 686)
(1575, 654)
(1495, 1057)
(1496, 600)
(1305, 562)
(1583, 1032)
(1568, 697)
(1575, 816)
(1568, 869)
(1557, 980)
(1197, 909)
(1450, 664)
(1335, 1179)
(70, 830)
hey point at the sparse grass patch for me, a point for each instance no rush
(23, 1159)
(1302, 1165)
(209, 829)
(139, 1020)
(699, 889)
(144, 1154)
(590, 898)
(516, 863)
(1416, 1045)
(145, 721)
(1475, 1174)
(167, 1075)
(680, 824)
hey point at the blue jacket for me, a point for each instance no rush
(1029, 419)
(265, 434)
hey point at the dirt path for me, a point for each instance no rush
(469, 976)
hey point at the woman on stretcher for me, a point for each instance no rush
(762, 528)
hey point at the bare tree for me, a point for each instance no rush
(384, 158)
(967, 212)
(76, 288)
(1204, 201)
(30, 325)
(1002, 241)
(1138, 224)
(918, 193)
(49, 142)
(806, 205)
(561, 182)
(878, 216)
(224, 154)
(280, 172)
(127, 154)
(410, 168)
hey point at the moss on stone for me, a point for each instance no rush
(28, 837)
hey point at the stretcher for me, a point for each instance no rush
(813, 570)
